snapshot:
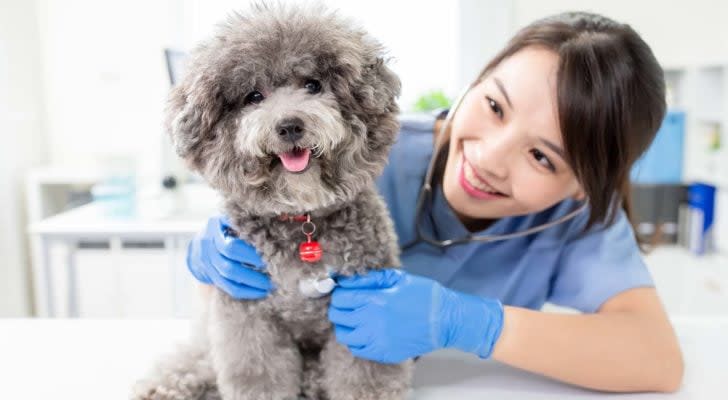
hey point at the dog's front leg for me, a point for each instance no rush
(349, 378)
(255, 358)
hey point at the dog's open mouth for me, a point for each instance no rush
(295, 160)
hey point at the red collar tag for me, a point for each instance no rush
(309, 251)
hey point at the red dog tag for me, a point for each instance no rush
(310, 251)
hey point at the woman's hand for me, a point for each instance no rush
(390, 316)
(216, 257)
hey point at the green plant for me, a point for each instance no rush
(432, 100)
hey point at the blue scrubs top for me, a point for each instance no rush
(562, 265)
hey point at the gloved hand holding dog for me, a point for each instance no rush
(390, 316)
(216, 257)
(386, 315)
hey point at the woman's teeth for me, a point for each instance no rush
(477, 183)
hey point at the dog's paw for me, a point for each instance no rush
(148, 391)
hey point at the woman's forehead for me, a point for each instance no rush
(528, 72)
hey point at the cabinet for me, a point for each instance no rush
(701, 92)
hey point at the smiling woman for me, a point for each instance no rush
(505, 142)
(559, 113)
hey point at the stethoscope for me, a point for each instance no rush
(425, 197)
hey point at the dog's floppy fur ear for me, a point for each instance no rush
(194, 108)
(385, 87)
(377, 99)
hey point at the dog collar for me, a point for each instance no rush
(292, 218)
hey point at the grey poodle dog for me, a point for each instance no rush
(289, 112)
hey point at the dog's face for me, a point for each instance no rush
(286, 110)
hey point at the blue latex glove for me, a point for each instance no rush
(390, 316)
(216, 257)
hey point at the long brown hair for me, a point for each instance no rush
(610, 96)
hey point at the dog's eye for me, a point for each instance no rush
(254, 97)
(313, 86)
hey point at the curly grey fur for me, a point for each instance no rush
(283, 347)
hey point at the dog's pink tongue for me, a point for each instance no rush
(296, 160)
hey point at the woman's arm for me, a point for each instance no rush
(628, 345)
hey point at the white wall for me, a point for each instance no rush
(482, 29)
(22, 146)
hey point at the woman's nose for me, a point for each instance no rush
(493, 153)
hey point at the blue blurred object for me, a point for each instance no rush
(701, 200)
(663, 160)
(116, 196)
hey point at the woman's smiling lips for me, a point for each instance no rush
(473, 185)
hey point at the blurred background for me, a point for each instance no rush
(96, 211)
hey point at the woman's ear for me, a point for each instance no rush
(580, 195)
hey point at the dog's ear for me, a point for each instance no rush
(194, 108)
(383, 87)
(375, 105)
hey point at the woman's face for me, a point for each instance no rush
(506, 153)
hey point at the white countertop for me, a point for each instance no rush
(191, 207)
(100, 359)
(92, 220)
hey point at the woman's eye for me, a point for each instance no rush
(542, 159)
(495, 107)
(313, 86)
(253, 97)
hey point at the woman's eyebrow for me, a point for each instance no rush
(554, 147)
(503, 90)
(551, 145)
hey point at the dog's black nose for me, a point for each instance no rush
(290, 129)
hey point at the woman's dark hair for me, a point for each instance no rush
(610, 96)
